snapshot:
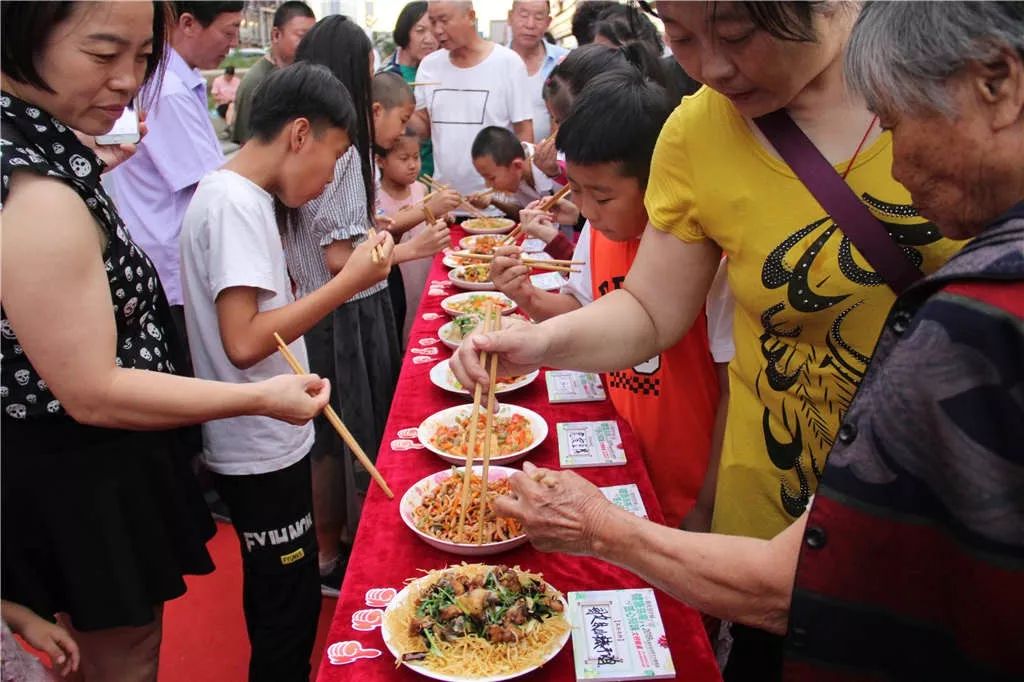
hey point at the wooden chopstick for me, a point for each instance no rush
(474, 417)
(489, 426)
(336, 422)
(553, 199)
(377, 255)
(550, 264)
(415, 83)
(512, 236)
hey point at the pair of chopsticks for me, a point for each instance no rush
(491, 323)
(377, 255)
(416, 83)
(548, 204)
(336, 422)
(550, 264)
(437, 186)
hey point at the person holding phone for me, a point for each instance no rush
(101, 513)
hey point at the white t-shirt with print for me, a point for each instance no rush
(719, 304)
(229, 238)
(495, 92)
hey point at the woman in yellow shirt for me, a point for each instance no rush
(809, 308)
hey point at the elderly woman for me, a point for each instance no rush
(910, 562)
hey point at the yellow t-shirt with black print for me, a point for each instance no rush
(809, 308)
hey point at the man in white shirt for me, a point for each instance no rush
(528, 20)
(472, 83)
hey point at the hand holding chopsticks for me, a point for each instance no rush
(336, 422)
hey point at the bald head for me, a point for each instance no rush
(453, 23)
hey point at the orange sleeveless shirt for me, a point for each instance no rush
(670, 400)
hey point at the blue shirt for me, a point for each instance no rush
(154, 187)
(541, 119)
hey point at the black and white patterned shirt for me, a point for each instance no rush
(32, 140)
(338, 214)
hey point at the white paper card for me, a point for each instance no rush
(589, 444)
(618, 635)
(627, 497)
(549, 281)
(566, 386)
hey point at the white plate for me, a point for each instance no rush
(454, 299)
(455, 276)
(447, 417)
(414, 496)
(501, 226)
(442, 377)
(445, 334)
(410, 591)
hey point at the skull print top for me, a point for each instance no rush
(32, 140)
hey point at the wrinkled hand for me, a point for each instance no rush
(114, 155)
(537, 223)
(560, 510)
(443, 201)
(510, 276)
(55, 641)
(545, 157)
(521, 349)
(360, 268)
(295, 398)
(564, 212)
(481, 199)
(433, 238)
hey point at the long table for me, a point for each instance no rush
(386, 552)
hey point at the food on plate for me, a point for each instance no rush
(509, 434)
(476, 304)
(473, 273)
(439, 510)
(484, 244)
(487, 224)
(499, 382)
(478, 621)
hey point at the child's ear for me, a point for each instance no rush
(378, 111)
(300, 131)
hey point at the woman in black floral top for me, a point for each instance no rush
(101, 515)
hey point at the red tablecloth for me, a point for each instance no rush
(386, 553)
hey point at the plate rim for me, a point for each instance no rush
(466, 294)
(530, 377)
(470, 286)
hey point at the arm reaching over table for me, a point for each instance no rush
(661, 297)
(746, 580)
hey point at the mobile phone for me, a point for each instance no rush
(125, 130)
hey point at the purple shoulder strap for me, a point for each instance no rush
(855, 220)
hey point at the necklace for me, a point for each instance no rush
(871, 125)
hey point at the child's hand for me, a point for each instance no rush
(537, 223)
(433, 238)
(360, 270)
(564, 211)
(545, 157)
(509, 275)
(480, 199)
(443, 201)
(54, 640)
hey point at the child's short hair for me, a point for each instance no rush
(302, 89)
(616, 119)
(499, 143)
(407, 134)
(390, 90)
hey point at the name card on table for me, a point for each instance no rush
(549, 281)
(618, 635)
(627, 497)
(566, 386)
(589, 444)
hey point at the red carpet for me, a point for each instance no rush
(204, 631)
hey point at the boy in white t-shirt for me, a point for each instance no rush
(237, 295)
(469, 84)
(507, 167)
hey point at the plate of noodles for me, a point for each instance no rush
(431, 509)
(473, 303)
(476, 622)
(475, 277)
(483, 243)
(441, 376)
(488, 225)
(516, 431)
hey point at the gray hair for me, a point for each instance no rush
(901, 54)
